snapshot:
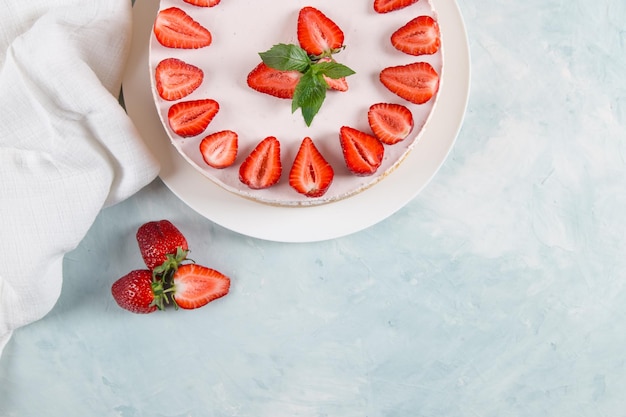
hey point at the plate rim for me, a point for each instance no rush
(309, 223)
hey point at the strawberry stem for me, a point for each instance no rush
(163, 287)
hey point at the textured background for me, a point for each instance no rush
(498, 291)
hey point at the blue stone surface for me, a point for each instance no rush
(500, 290)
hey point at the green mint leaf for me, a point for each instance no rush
(309, 95)
(332, 70)
(285, 57)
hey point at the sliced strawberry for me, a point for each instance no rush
(203, 3)
(363, 153)
(420, 36)
(390, 122)
(417, 82)
(190, 118)
(310, 174)
(176, 79)
(338, 84)
(281, 84)
(386, 6)
(174, 28)
(195, 286)
(317, 34)
(219, 149)
(262, 168)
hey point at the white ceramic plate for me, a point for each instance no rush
(304, 224)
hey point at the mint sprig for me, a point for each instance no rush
(310, 92)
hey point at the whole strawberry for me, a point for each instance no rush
(138, 292)
(160, 242)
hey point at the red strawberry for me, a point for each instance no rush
(420, 36)
(310, 174)
(195, 286)
(135, 292)
(417, 82)
(317, 34)
(390, 122)
(174, 28)
(176, 79)
(160, 242)
(190, 118)
(338, 84)
(203, 3)
(386, 6)
(363, 153)
(274, 82)
(219, 149)
(262, 168)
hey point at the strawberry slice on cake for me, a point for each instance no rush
(176, 79)
(262, 168)
(420, 36)
(190, 118)
(310, 174)
(417, 82)
(317, 33)
(174, 28)
(386, 6)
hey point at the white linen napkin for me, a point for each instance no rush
(67, 148)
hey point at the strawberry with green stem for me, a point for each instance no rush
(168, 280)
(191, 286)
(139, 292)
(162, 245)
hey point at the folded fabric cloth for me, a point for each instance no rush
(67, 148)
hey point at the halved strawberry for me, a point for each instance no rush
(281, 84)
(190, 118)
(390, 122)
(262, 168)
(420, 36)
(338, 84)
(203, 3)
(176, 79)
(310, 174)
(363, 153)
(317, 34)
(174, 28)
(417, 82)
(386, 6)
(195, 286)
(219, 149)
